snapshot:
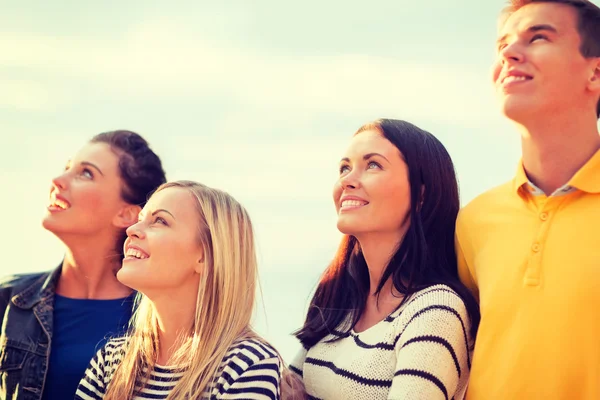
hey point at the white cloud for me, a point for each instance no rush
(29, 95)
(158, 58)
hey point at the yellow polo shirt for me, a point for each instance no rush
(534, 263)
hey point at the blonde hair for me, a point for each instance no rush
(224, 304)
(292, 386)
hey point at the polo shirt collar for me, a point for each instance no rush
(521, 178)
(586, 179)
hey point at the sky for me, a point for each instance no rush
(256, 98)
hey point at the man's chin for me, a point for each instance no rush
(518, 110)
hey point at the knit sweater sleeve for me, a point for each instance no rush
(297, 364)
(433, 349)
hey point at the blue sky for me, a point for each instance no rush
(257, 98)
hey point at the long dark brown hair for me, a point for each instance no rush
(425, 257)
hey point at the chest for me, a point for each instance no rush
(549, 254)
(356, 367)
(376, 311)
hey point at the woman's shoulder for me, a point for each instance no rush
(18, 282)
(252, 354)
(436, 295)
(252, 349)
(250, 366)
(114, 348)
(27, 287)
(116, 342)
(433, 299)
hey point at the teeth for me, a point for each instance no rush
(135, 253)
(353, 203)
(515, 78)
(60, 203)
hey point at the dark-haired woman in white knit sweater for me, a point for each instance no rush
(390, 319)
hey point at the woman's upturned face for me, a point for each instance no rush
(372, 194)
(85, 199)
(163, 250)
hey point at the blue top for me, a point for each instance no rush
(81, 328)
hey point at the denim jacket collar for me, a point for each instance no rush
(41, 290)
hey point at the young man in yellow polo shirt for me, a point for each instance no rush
(530, 249)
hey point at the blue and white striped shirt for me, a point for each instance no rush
(251, 370)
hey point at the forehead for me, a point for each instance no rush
(561, 16)
(99, 154)
(178, 201)
(371, 141)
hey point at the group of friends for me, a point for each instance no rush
(155, 294)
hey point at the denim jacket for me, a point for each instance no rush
(26, 309)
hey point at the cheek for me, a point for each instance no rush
(90, 199)
(496, 69)
(173, 252)
(337, 194)
(397, 204)
(95, 198)
(577, 78)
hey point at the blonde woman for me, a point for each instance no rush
(192, 257)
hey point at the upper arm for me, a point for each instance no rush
(297, 364)
(7, 287)
(259, 381)
(4, 300)
(464, 258)
(432, 353)
(14, 284)
(93, 384)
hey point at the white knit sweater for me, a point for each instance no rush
(420, 351)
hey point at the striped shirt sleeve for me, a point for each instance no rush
(252, 371)
(92, 385)
(432, 352)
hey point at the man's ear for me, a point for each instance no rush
(127, 216)
(594, 81)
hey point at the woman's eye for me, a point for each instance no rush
(87, 173)
(344, 169)
(373, 164)
(159, 220)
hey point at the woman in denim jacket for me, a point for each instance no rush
(54, 322)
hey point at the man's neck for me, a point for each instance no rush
(555, 148)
